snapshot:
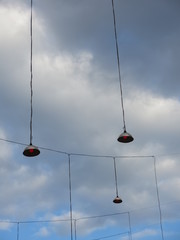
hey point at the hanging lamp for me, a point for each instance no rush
(124, 137)
(31, 150)
(117, 199)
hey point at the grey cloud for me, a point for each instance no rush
(147, 33)
(77, 109)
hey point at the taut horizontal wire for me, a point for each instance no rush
(77, 154)
(109, 236)
(104, 215)
(88, 217)
(89, 155)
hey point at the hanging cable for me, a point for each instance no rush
(70, 196)
(75, 229)
(118, 62)
(31, 72)
(30, 150)
(115, 175)
(17, 230)
(110, 236)
(130, 229)
(158, 199)
(117, 199)
(101, 216)
(79, 153)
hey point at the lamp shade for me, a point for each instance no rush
(117, 200)
(31, 151)
(125, 137)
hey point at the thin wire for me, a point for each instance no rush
(78, 154)
(62, 220)
(17, 230)
(84, 218)
(90, 155)
(110, 236)
(70, 196)
(158, 198)
(115, 175)
(53, 150)
(42, 221)
(75, 229)
(109, 156)
(31, 72)
(130, 229)
(11, 141)
(100, 216)
(118, 62)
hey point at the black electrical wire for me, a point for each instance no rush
(75, 229)
(11, 141)
(115, 175)
(158, 198)
(62, 220)
(118, 62)
(110, 236)
(101, 216)
(84, 218)
(78, 154)
(42, 221)
(17, 230)
(70, 196)
(104, 156)
(31, 72)
(108, 215)
(130, 229)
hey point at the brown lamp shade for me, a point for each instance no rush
(117, 200)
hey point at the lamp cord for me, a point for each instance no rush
(115, 174)
(70, 197)
(158, 198)
(118, 62)
(75, 229)
(130, 230)
(17, 230)
(31, 72)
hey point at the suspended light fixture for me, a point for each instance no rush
(124, 137)
(31, 150)
(117, 199)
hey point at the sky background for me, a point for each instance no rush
(76, 109)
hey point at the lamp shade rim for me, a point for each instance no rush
(125, 137)
(117, 200)
(31, 151)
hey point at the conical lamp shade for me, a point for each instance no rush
(31, 151)
(125, 137)
(117, 200)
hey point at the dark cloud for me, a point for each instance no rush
(148, 37)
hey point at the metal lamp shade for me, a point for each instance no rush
(31, 151)
(117, 200)
(125, 137)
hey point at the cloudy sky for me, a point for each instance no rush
(76, 109)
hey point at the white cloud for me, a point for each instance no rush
(84, 226)
(43, 232)
(144, 233)
(5, 225)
